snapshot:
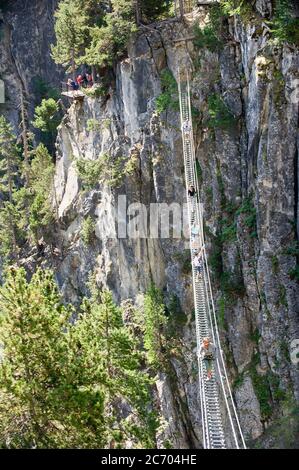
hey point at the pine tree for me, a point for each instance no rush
(9, 159)
(44, 401)
(109, 39)
(9, 171)
(113, 363)
(25, 137)
(10, 233)
(152, 10)
(41, 185)
(68, 384)
(155, 322)
(71, 29)
(46, 116)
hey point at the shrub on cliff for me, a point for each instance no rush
(168, 99)
(285, 27)
(220, 115)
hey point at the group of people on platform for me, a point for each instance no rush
(83, 80)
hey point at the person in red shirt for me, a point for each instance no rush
(80, 80)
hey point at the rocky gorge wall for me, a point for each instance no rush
(26, 33)
(248, 171)
(248, 188)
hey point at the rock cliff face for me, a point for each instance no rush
(248, 170)
(249, 191)
(26, 32)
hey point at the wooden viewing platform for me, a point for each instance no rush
(74, 94)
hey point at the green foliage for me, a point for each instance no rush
(63, 384)
(267, 388)
(109, 39)
(282, 296)
(284, 26)
(238, 381)
(168, 99)
(98, 90)
(109, 360)
(88, 230)
(277, 392)
(262, 389)
(228, 230)
(9, 174)
(294, 273)
(42, 90)
(93, 125)
(97, 33)
(211, 35)
(283, 431)
(155, 322)
(177, 317)
(31, 375)
(292, 250)
(152, 10)
(220, 115)
(11, 234)
(249, 212)
(9, 159)
(241, 8)
(255, 336)
(209, 195)
(89, 172)
(230, 283)
(275, 264)
(46, 116)
(25, 211)
(71, 30)
(104, 170)
(41, 183)
(206, 38)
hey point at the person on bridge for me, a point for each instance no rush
(191, 191)
(186, 126)
(198, 263)
(207, 354)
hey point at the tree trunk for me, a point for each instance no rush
(25, 139)
(73, 64)
(138, 11)
(11, 219)
(181, 3)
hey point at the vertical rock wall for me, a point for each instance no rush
(249, 186)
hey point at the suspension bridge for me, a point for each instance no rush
(220, 423)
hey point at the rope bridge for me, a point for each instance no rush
(220, 423)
